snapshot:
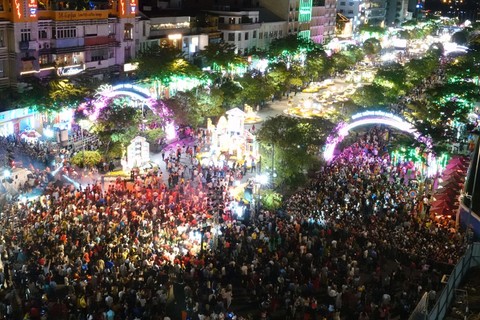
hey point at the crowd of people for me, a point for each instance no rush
(352, 245)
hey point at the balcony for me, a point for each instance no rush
(239, 27)
(100, 42)
(27, 45)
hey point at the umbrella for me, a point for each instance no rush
(441, 203)
(451, 184)
(440, 210)
(456, 165)
(443, 197)
(454, 174)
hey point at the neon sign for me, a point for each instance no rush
(71, 70)
(133, 6)
(32, 6)
(122, 5)
(17, 6)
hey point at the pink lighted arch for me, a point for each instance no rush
(105, 92)
(366, 118)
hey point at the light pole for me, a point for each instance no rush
(272, 173)
(470, 197)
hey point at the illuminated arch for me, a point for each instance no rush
(106, 92)
(370, 117)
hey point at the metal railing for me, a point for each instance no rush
(470, 259)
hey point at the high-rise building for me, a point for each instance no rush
(297, 13)
(371, 12)
(250, 29)
(322, 26)
(66, 38)
(397, 12)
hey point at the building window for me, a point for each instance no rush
(342, 3)
(254, 35)
(231, 36)
(246, 35)
(65, 32)
(239, 37)
(280, 33)
(98, 55)
(221, 20)
(128, 53)
(43, 59)
(265, 35)
(2, 38)
(231, 20)
(128, 32)
(260, 35)
(275, 34)
(42, 34)
(2, 69)
(25, 35)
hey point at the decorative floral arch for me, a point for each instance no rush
(106, 92)
(365, 118)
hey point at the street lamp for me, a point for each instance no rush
(470, 197)
(272, 172)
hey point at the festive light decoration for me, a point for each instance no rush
(370, 117)
(105, 93)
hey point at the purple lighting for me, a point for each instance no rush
(365, 118)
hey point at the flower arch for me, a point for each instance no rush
(366, 118)
(140, 98)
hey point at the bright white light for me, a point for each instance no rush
(48, 132)
(239, 211)
(262, 179)
(195, 235)
(170, 130)
(7, 173)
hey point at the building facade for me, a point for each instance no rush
(42, 38)
(397, 12)
(249, 30)
(371, 12)
(322, 25)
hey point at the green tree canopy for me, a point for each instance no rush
(294, 144)
(86, 159)
(392, 78)
(222, 57)
(370, 95)
(195, 106)
(163, 62)
(250, 84)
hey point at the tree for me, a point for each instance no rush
(234, 91)
(277, 77)
(290, 49)
(317, 65)
(371, 47)
(116, 125)
(222, 59)
(161, 63)
(460, 37)
(419, 69)
(294, 145)
(195, 106)
(250, 93)
(370, 96)
(347, 58)
(368, 31)
(86, 159)
(392, 78)
(63, 93)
